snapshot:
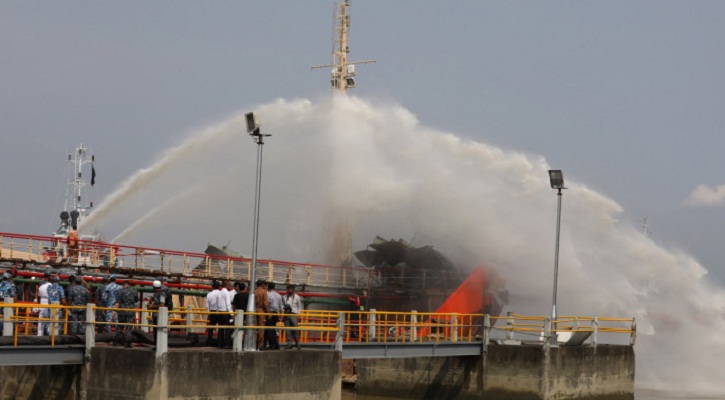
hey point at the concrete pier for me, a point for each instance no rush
(118, 373)
(505, 372)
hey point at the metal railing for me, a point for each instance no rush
(523, 328)
(335, 328)
(106, 257)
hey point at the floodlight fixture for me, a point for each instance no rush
(557, 179)
(253, 123)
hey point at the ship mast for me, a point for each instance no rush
(74, 204)
(343, 72)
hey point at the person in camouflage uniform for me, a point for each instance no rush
(110, 293)
(101, 302)
(78, 295)
(7, 291)
(56, 295)
(127, 298)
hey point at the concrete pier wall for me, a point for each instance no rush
(506, 372)
(40, 382)
(421, 377)
(194, 374)
(118, 373)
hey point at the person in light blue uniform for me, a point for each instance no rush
(56, 295)
(110, 294)
(7, 291)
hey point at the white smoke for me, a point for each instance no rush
(376, 167)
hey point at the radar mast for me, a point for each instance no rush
(343, 72)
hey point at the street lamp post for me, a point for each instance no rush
(556, 177)
(253, 125)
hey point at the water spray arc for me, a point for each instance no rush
(253, 125)
(402, 188)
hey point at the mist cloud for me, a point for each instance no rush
(375, 166)
(706, 196)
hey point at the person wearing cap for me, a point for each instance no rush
(127, 299)
(42, 297)
(7, 291)
(110, 294)
(161, 298)
(7, 287)
(78, 296)
(261, 304)
(56, 295)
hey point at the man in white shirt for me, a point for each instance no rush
(43, 299)
(292, 308)
(213, 304)
(231, 291)
(225, 305)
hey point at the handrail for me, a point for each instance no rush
(321, 326)
(103, 256)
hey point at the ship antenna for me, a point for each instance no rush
(645, 227)
(343, 72)
(79, 159)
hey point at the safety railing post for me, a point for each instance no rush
(340, 334)
(144, 318)
(595, 333)
(633, 334)
(371, 324)
(510, 326)
(55, 321)
(486, 332)
(454, 328)
(238, 334)
(189, 319)
(547, 334)
(162, 331)
(413, 326)
(90, 329)
(8, 312)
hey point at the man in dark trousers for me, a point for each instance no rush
(261, 305)
(127, 299)
(213, 304)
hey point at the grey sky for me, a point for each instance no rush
(625, 97)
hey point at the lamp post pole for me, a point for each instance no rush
(250, 342)
(557, 182)
(556, 268)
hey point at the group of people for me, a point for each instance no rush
(225, 299)
(78, 294)
(222, 302)
(269, 304)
